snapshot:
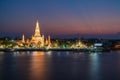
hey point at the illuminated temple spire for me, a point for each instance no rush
(37, 30)
(23, 39)
(37, 39)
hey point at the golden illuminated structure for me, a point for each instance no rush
(79, 44)
(37, 39)
(21, 42)
(48, 41)
(23, 38)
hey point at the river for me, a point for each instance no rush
(60, 65)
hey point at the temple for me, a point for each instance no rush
(37, 39)
(23, 39)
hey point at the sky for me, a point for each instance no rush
(60, 17)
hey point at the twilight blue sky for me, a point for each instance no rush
(60, 17)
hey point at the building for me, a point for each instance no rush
(37, 39)
(23, 38)
(48, 41)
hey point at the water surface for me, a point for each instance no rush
(59, 65)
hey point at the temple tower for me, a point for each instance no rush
(48, 41)
(37, 30)
(23, 38)
(37, 39)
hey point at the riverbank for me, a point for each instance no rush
(53, 49)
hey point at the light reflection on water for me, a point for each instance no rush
(61, 65)
(94, 61)
(39, 69)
